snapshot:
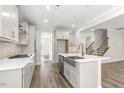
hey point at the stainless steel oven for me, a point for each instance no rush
(61, 64)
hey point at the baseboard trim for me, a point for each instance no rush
(111, 61)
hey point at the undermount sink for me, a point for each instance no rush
(71, 60)
(75, 57)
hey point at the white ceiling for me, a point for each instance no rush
(62, 17)
(116, 23)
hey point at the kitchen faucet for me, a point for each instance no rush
(82, 50)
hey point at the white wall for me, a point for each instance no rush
(55, 47)
(116, 44)
(77, 39)
(38, 47)
(100, 35)
(71, 41)
(83, 38)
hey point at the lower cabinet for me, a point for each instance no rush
(17, 78)
(74, 79)
(11, 78)
(89, 74)
(85, 75)
(71, 75)
(27, 74)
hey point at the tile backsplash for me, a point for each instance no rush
(8, 49)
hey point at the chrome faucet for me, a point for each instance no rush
(82, 50)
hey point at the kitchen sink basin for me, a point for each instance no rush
(75, 57)
(71, 60)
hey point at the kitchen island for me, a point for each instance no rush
(82, 71)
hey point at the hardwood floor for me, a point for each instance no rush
(113, 75)
(47, 76)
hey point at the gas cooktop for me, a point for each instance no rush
(20, 56)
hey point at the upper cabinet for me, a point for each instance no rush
(23, 33)
(9, 23)
(62, 35)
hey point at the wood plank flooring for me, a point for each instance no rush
(47, 76)
(113, 75)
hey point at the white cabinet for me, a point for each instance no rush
(66, 71)
(17, 78)
(23, 33)
(9, 23)
(11, 78)
(71, 75)
(27, 74)
(74, 78)
(62, 35)
(84, 75)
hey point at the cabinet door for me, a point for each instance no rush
(11, 78)
(9, 22)
(66, 71)
(24, 35)
(58, 35)
(62, 35)
(5, 21)
(74, 79)
(27, 76)
(66, 35)
(14, 32)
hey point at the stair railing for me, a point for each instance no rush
(101, 43)
(89, 49)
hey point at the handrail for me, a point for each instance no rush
(101, 43)
(90, 45)
(89, 49)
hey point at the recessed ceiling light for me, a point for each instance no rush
(45, 20)
(73, 25)
(48, 8)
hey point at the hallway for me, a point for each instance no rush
(47, 76)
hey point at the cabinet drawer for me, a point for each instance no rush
(11, 78)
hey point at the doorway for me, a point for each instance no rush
(46, 46)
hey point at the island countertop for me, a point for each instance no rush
(86, 58)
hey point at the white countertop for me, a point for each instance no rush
(87, 58)
(10, 64)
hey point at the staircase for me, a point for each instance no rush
(98, 50)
